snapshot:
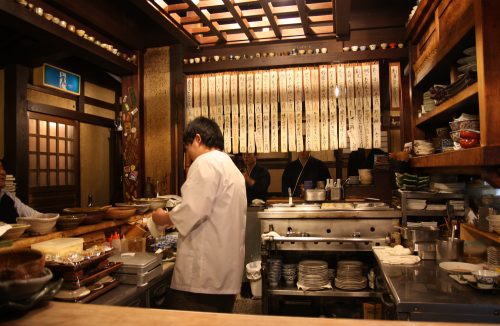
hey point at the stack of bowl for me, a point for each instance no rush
(494, 223)
(15, 231)
(465, 131)
(69, 222)
(22, 274)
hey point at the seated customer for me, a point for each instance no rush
(257, 178)
(362, 159)
(305, 167)
(11, 206)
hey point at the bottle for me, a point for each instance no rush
(328, 189)
(336, 193)
(90, 200)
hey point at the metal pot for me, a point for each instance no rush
(451, 249)
(420, 234)
(315, 195)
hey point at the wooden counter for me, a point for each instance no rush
(58, 313)
(88, 232)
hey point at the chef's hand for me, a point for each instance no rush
(162, 218)
(248, 180)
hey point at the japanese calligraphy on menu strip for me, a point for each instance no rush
(263, 111)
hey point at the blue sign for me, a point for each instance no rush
(61, 79)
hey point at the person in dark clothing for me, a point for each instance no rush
(362, 159)
(11, 207)
(305, 167)
(257, 178)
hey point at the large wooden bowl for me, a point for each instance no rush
(21, 264)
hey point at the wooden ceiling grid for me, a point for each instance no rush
(211, 22)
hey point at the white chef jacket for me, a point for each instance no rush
(22, 209)
(211, 222)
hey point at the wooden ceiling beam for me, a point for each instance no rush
(189, 19)
(341, 16)
(285, 9)
(161, 17)
(236, 12)
(210, 3)
(320, 6)
(303, 13)
(266, 5)
(221, 36)
(176, 7)
(321, 18)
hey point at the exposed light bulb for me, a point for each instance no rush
(337, 91)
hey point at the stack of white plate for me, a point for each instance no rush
(313, 274)
(422, 147)
(493, 257)
(10, 184)
(350, 275)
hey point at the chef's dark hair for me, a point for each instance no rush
(209, 131)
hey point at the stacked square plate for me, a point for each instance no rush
(313, 274)
(10, 184)
(493, 257)
(350, 275)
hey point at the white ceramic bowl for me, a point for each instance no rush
(485, 278)
(39, 224)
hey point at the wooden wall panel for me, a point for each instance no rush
(157, 133)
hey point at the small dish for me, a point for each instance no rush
(485, 278)
(459, 267)
(354, 48)
(14, 232)
(372, 46)
(346, 48)
(72, 294)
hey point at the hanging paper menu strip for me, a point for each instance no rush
(283, 110)
(204, 95)
(342, 106)
(259, 142)
(315, 104)
(351, 110)
(298, 109)
(308, 101)
(218, 101)
(234, 113)
(375, 70)
(273, 82)
(367, 106)
(250, 110)
(265, 111)
(358, 104)
(290, 109)
(196, 97)
(323, 91)
(242, 85)
(189, 99)
(227, 112)
(332, 107)
(211, 97)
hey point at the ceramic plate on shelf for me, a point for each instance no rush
(459, 267)
(466, 60)
(468, 67)
(470, 51)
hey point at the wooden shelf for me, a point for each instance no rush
(443, 112)
(471, 157)
(76, 45)
(26, 242)
(473, 232)
(296, 60)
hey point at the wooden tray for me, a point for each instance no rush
(69, 268)
(113, 266)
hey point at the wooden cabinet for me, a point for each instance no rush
(437, 35)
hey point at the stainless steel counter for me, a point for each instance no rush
(425, 292)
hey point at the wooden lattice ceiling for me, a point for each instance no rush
(210, 22)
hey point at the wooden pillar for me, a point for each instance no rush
(177, 115)
(16, 160)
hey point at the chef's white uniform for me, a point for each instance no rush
(211, 223)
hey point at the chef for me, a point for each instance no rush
(257, 178)
(305, 167)
(211, 222)
(10, 206)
